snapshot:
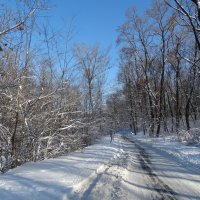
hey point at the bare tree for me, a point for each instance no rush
(197, 3)
(188, 17)
(159, 63)
(92, 63)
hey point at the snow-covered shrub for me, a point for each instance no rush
(5, 148)
(190, 137)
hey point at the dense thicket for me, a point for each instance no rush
(159, 69)
(50, 90)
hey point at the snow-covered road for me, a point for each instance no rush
(161, 177)
(142, 172)
(126, 169)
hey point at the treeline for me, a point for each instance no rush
(51, 91)
(159, 69)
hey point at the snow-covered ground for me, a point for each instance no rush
(58, 178)
(185, 154)
(131, 167)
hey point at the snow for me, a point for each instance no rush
(142, 169)
(60, 177)
(185, 154)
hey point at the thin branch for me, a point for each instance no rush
(18, 24)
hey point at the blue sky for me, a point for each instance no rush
(95, 21)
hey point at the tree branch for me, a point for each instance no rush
(18, 24)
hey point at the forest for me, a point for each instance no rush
(52, 91)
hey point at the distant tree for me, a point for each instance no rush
(92, 63)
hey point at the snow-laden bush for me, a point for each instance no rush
(5, 148)
(190, 137)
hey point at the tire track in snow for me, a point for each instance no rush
(164, 192)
